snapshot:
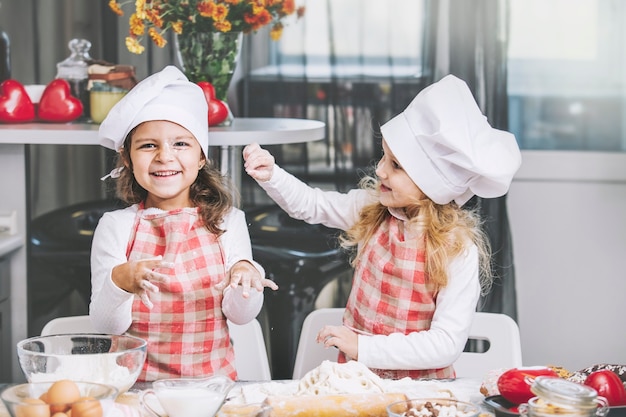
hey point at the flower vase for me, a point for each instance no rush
(212, 57)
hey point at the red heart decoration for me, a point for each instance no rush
(57, 103)
(15, 105)
(218, 111)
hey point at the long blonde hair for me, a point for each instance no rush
(209, 192)
(447, 230)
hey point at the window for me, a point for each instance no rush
(566, 83)
(353, 38)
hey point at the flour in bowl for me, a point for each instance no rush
(101, 369)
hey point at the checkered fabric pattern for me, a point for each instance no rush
(186, 330)
(392, 293)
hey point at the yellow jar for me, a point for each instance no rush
(101, 103)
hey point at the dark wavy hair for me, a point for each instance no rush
(211, 191)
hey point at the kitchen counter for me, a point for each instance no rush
(241, 132)
(10, 243)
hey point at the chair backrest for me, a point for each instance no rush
(251, 360)
(310, 353)
(505, 350)
(71, 324)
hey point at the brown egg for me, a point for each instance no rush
(32, 407)
(61, 394)
(44, 397)
(86, 407)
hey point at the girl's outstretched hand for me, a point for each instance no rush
(140, 277)
(245, 274)
(259, 163)
(342, 338)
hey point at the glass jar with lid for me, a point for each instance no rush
(558, 396)
(74, 70)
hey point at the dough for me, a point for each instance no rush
(331, 378)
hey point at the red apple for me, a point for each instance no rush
(514, 384)
(608, 385)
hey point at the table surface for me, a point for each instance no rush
(466, 389)
(265, 131)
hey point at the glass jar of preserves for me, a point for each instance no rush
(108, 84)
(558, 396)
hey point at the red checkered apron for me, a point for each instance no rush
(393, 293)
(186, 330)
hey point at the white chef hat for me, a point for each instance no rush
(447, 147)
(166, 95)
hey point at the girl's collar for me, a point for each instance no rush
(398, 213)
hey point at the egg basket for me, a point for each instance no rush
(29, 400)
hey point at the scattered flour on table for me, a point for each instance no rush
(100, 368)
(331, 378)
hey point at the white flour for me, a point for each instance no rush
(100, 368)
(355, 378)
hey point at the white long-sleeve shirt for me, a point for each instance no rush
(110, 308)
(437, 347)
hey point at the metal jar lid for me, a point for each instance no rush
(561, 391)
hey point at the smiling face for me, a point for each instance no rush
(397, 189)
(166, 158)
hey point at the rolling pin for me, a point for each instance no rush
(345, 405)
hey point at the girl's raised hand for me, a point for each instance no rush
(140, 277)
(245, 274)
(259, 163)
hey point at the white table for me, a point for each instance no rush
(243, 131)
(14, 177)
(264, 131)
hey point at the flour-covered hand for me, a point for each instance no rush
(141, 277)
(245, 274)
(259, 163)
(342, 338)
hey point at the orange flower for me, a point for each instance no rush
(223, 26)
(136, 25)
(113, 5)
(177, 27)
(140, 7)
(157, 17)
(153, 16)
(133, 45)
(277, 31)
(157, 38)
(206, 8)
(289, 6)
(220, 12)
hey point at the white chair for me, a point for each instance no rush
(499, 330)
(251, 360)
(505, 349)
(71, 324)
(310, 353)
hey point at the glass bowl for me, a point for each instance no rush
(114, 360)
(421, 407)
(20, 400)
